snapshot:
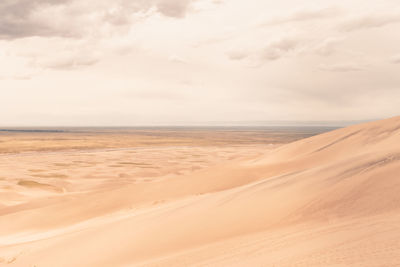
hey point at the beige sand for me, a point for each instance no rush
(327, 200)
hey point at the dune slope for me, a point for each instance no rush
(328, 200)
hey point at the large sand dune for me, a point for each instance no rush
(328, 200)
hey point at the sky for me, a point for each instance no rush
(187, 62)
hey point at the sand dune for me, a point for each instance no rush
(327, 200)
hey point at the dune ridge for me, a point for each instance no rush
(327, 200)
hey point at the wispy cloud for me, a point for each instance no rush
(369, 21)
(305, 15)
(396, 59)
(237, 54)
(342, 67)
(272, 51)
(69, 62)
(177, 59)
(279, 48)
(327, 46)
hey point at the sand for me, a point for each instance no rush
(327, 200)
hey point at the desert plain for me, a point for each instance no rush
(201, 197)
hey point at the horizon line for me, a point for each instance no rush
(276, 123)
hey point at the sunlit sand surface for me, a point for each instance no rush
(201, 198)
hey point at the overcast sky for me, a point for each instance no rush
(146, 62)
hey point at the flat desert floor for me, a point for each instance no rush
(201, 197)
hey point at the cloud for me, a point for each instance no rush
(70, 59)
(49, 18)
(341, 67)
(396, 59)
(306, 15)
(237, 55)
(278, 49)
(18, 77)
(22, 77)
(327, 46)
(69, 63)
(256, 57)
(177, 59)
(369, 21)
(19, 18)
(173, 8)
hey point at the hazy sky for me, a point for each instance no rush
(130, 62)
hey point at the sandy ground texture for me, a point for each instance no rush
(327, 200)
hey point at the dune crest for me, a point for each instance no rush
(328, 200)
